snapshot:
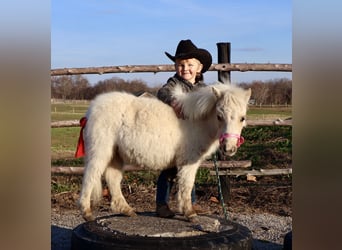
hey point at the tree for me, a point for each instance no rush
(80, 86)
(259, 92)
(62, 87)
(69, 87)
(276, 91)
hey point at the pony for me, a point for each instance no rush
(125, 129)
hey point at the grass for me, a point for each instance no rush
(268, 113)
(64, 139)
(68, 111)
(266, 146)
(65, 184)
(69, 107)
(65, 116)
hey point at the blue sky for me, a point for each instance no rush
(111, 32)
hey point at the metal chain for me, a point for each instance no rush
(219, 187)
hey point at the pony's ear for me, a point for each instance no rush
(216, 92)
(248, 94)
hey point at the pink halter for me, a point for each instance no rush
(240, 140)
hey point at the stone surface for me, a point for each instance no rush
(147, 224)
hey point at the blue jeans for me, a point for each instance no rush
(164, 186)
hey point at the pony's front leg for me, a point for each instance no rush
(186, 179)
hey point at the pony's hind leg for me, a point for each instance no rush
(186, 179)
(91, 192)
(118, 203)
(96, 161)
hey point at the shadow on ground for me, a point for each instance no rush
(265, 245)
(60, 238)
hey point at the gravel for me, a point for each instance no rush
(268, 230)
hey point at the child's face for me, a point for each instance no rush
(187, 68)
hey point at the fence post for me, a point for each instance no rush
(223, 56)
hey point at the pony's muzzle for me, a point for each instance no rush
(229, 143)
(228, 150)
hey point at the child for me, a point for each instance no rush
(190, 64)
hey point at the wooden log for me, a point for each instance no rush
(61, 124)
(243, 67)
(278, 121)
(207, 164)
(76, 123)
(170, 68)
(261, 172)
(227, 164)
(67, 170)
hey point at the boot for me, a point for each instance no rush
(164, 211)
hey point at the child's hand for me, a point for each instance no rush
(177, 107)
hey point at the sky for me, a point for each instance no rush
(93, 33)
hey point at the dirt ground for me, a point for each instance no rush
(266, 195)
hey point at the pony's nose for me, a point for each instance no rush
(230, 151)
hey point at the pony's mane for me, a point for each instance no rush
(195, 104)
(198, 104)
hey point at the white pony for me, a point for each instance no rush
(124, 129)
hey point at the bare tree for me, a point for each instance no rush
(69, 87)
(276, 91)
(280, 91)
(80, 86)
(259, 92)
(62, 86)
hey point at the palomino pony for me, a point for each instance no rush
(124, 129)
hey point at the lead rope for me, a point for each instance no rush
(219, 187)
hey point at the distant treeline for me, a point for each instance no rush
(77, 87)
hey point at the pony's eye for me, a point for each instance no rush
(219, 117)
(242, 119)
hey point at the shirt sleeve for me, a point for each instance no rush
(164, 93)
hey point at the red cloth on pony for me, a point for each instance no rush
(80, 145)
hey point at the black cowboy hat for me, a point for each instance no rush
(186, 49)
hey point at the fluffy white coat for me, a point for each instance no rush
(125, 129)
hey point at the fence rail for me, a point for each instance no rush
(206, 164)
(243, 67)
(253, 172)
(285, 122)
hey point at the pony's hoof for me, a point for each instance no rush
(132, 214)
(193, 218)
(88, 216)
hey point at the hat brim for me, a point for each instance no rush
(200, 54)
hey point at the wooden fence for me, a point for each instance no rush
(223, 67)
(278, 121)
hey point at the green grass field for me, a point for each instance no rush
(268, 113)
(68, 111)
